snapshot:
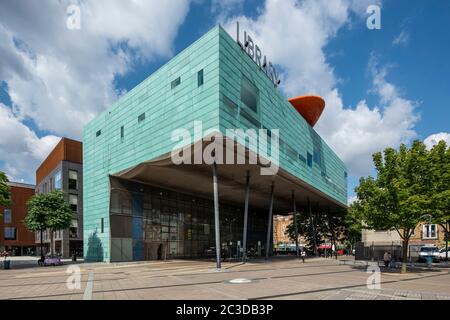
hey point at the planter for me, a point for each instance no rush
(6, 264)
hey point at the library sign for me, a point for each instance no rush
(254, 52)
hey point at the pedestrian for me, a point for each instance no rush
(387, 259)
(159, 252)
(303, 255)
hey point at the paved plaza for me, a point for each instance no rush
(281, 278)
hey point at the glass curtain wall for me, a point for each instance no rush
(149, 223)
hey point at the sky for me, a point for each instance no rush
(382, 87)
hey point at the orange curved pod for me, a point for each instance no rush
(310, 107)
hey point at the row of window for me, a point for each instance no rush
(141, 117)
(55, 182)
(57, 235)
(175, 83)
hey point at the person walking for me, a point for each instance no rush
(387, 259)
(303, 255)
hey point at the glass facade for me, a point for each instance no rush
(151, 223)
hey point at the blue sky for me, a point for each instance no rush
(382, 87)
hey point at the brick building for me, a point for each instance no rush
(14, 236)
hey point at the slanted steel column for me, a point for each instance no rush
(216, 216)
(244, 236)
(313, 229)
(294, 209)
(269, 224)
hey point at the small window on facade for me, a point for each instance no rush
(175, 82)
(7, 214)
(249, 94)
(141, 117)
(58, 180)
(99, 132)
(10, 233)
(73, 179)
(102, 225)
(309, 159)
(73, 231)
(231, 106)
(345, 174)
(73, 201)
(200, 78)
(122, 132)
(316, 156)
(301, 158)
(429, 231)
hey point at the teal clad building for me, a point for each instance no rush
(139, 205)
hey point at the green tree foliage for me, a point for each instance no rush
(48, 211)
(439, 192)
(403, 192)
(342, 226)
(4, 190)
(352, 227)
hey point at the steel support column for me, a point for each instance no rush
(216, 216)
(269, 224)
(313, 229)
(294, 210)
(244, 236)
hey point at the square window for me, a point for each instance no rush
(10, 233)
(175, 83)
(99, 132)
(73, 201)
(7, 214)
(141, 117)
(73, 179)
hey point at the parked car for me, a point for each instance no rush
(442, 253)
(427, 251)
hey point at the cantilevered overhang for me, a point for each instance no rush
(197, 179)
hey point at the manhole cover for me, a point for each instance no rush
(240, 280)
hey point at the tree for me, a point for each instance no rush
(5, 199)
(304, 226)
(48, 211)
(398, 198)
(352, 227)
(439, 193)
(327, 225)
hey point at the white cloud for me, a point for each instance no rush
(297, 45)
(351, 199)
(61, 78)
(434, 139)
(402, 38)
(20, 147)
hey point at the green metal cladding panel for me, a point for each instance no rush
(165, 109)
(328, 173)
